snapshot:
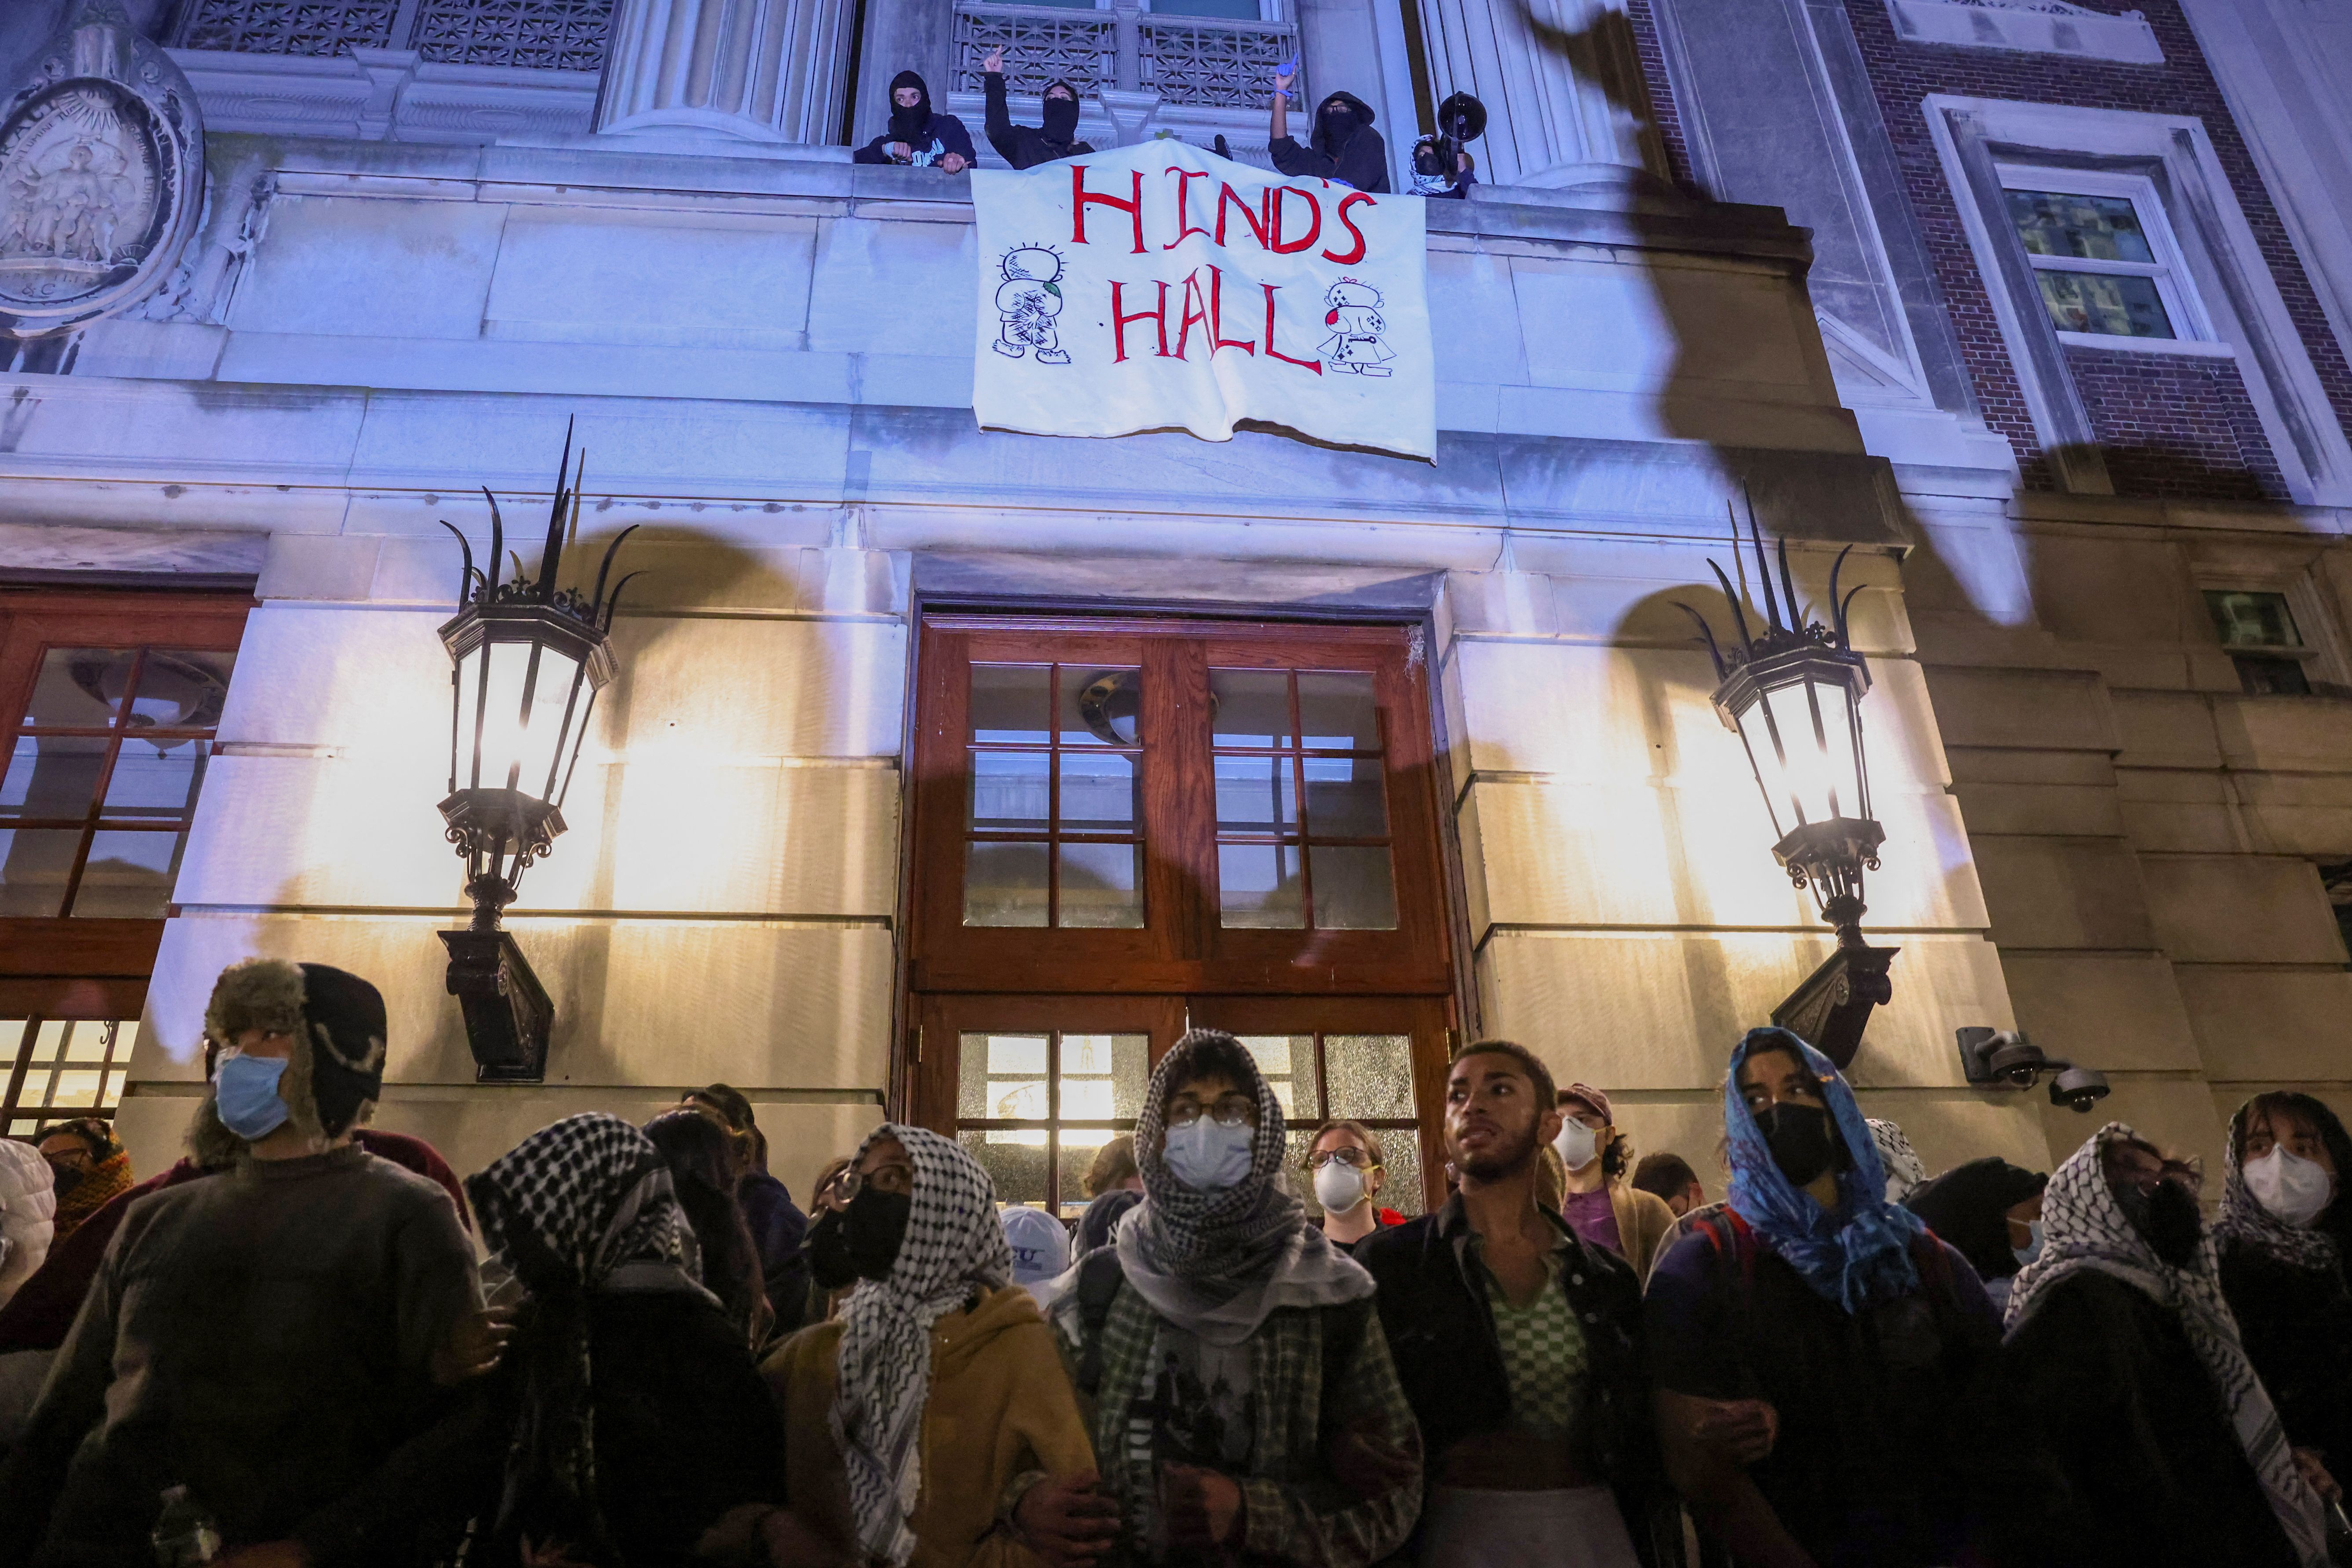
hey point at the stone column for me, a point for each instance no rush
(755, 70)
(1562, 85)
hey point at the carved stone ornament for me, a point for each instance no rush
(101, 175)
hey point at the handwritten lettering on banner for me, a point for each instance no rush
(1161, 287)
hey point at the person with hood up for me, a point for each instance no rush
(1431, 177)
(1518, 1342)
(2133, 1419)
(1346, 149)
(265, 1339)
(1812, 1345)
(932, 1424)
(1025, 146)
(917, 136)
(702, 1173)
(778, 1226)
(28, 1206)
(91, 1166)
(1595, 1157)
(1991, 1212)
(2284, 1239)
(1229, 1350)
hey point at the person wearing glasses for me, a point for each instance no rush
(1234, 1365)
(1344, 1167)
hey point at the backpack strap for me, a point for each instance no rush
(1099, 1277)
(1730, 1236)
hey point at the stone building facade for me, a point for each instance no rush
(2041, 310)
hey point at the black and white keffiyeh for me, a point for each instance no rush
(955, 1244)
(1904, 1170)
(2085, 1227)
(2244, 1221)
(1218, 1262)
(578, 1199)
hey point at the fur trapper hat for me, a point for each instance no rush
(334, 1072)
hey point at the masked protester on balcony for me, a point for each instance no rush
(2284, 1237)
(1518, 1343)
(1440, 168)
(1343, 148)
(933, 1422)
(1813, 1346)
(265, 1338)
(2130, 1413)
(1026, 146)
(1228, 1348)
(917, 136)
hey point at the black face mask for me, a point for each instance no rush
(1061, 118)
(68, 1178)
(2168, 1220)
(907, 124)
(860, 1242)
(1338, 125)
(1799, 1138)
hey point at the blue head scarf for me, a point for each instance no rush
(1859, 1253)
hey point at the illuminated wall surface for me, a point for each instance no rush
(2096, 829)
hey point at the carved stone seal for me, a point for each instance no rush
(101, 175)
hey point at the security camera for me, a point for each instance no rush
(2078, 1089)
(1993, 1059)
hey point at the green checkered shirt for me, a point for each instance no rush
(1293, 1510)
(1544, 1357)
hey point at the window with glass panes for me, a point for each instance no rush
(61, 1068)
(2102, 258)
(2257, 628)
(103, 768)
(1122, 826)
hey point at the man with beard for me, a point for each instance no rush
(2137, 1430)
(265, 1338)
(1229, 1351)
(1517, 1344)
(1812, 1345)
(916, 136)
(1346, 149)
(1023, 146)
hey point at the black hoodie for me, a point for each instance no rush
(1355, 154)
(928, 136)
(1025, 146)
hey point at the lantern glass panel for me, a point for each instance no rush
(518, 742)
(1802, 735)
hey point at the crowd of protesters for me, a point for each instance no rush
(288, 1350)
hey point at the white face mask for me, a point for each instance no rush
(1339, 1187)
(1577, 1144)
(2296, 1190)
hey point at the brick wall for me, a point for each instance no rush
(2176, 426)
(1905, 73)
(1663, 112)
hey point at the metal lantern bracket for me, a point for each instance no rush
(499, 829)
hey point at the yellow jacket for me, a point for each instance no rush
(1643, 1221)
(999, 1405)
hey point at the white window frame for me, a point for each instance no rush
(2321, 652)
(2222, 267)
(2192, 327)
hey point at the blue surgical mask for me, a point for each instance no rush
(1209, 1156)
(2032, 1250)
(244, 1091)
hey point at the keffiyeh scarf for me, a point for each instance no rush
(1854, 1255)
(577, 1206)
(1218, 1262)
(1905, 1169)
(955, 1244)
(2243, 1219)
(2084, 1228)
(106, 1181)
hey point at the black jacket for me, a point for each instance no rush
(2298, 1324)
(2117, 1451)
(1362, 161)
(1026, 146)
(929, 136)
(1440, 1333)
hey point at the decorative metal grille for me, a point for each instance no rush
(536, 35)
(1213, 64)
(290, 26)
(1042, 44)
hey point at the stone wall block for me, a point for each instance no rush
(319, 567)
(2241, 908)
(707, 280)
(2166, 729)
(2063, 892)
(926, 271)
(2058, 709)
(2107, 590)
(2106, 1010)
(757, 687)
(2063, 810)
(2285, 733)
(2278, 1025)
(374, 266)
(375, 681)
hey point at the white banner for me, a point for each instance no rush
(1160, 287)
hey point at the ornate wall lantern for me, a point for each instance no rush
(527, 660)
(1793, 693)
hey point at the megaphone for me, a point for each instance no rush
(1462, 118)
